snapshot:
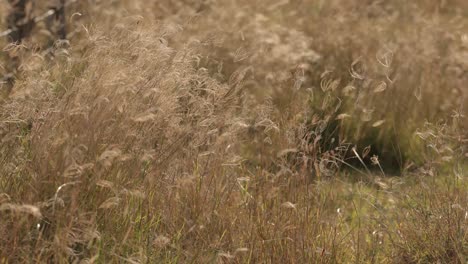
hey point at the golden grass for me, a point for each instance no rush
(232, 132)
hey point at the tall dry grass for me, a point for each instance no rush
(236, 132)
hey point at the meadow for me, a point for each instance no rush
(235, 131)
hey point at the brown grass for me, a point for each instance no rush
(232, 132)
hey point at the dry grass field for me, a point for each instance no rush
(235, 131)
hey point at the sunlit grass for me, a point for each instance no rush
(232, 132)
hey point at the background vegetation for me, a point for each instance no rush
(186, 131)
